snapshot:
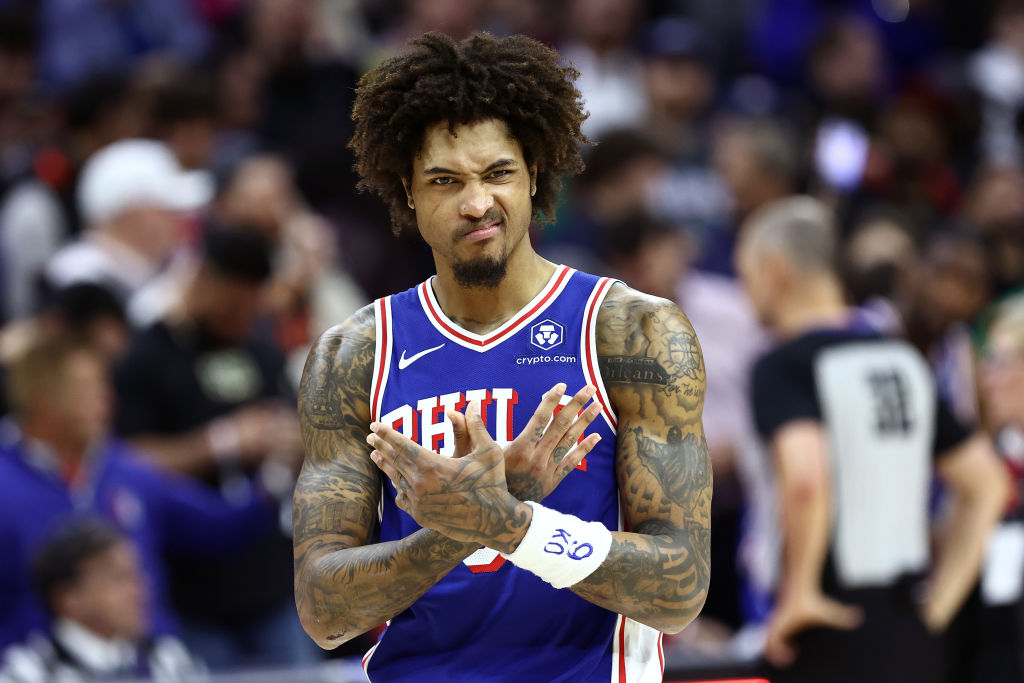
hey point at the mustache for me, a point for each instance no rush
(493, 215)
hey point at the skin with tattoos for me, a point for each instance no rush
(337, 495)
(500, 324)
(658, 574)
(339, 571)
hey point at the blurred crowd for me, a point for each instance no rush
(179, 220)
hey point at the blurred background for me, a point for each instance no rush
(179, 221)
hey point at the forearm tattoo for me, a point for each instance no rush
(344, 582)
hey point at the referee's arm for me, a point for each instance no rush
(980, 488)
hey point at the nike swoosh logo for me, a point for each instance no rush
(404, 362)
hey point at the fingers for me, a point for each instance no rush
(576, 454)
(839, 616)
(534, 429)
(576, 429)
(402, 450)
(387, 466)
(563, 421)
(778, 651)
(461, 430)
(393, 453)
(475, 422)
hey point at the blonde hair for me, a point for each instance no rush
(1009, 316)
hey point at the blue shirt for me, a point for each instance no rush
(158, 510)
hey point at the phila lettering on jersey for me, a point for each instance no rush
(488, 620)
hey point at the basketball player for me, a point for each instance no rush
(855, 428)
(497, 546)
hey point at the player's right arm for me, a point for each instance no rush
(345, 583)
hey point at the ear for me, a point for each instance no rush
(778, 271)
(65, 602)
(408, 194)
(533, 180)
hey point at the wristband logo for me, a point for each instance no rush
(562, 543)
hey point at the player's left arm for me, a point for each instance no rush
(651, 364)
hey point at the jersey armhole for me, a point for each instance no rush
(381, 355)
(588, 345)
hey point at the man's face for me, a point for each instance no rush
(230, 307)
(110, 595)
(1002, 377)
(472, 196)
(85, 400)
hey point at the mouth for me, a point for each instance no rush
(483, 232)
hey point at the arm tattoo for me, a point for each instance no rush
(651, 361)
(345, 584)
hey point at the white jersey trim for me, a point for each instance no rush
(382, 355)
(634, 645)
(452, 331)
(588, 349)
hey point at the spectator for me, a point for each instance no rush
(622, 172)
(132, 195)
(91, 580)
(759, 161)
(999, 629)
(38, 212)
(995, 211)
(680, 86)
(309, 292)
(59, 459)
(81, 38)
(852, 420)
(996, 72)
(648, 255)
(602, 33)
(85, 311)
(184, 115)
(202, 391)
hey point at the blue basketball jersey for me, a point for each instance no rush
(488, 620)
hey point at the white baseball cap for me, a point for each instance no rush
(133, 173)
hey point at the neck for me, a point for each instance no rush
(818, 303)
(482, 309)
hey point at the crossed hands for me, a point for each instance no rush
(476, 495)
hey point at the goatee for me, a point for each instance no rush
(486, 273)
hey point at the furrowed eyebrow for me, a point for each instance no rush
(439, 170)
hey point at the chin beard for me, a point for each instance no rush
(482, 273)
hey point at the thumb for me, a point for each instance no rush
(840, 616)
(779, 652)
(475, 423)
(461, 431)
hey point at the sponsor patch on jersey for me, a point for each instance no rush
(547, 334)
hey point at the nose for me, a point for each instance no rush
(476, 200)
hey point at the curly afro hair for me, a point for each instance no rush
(514, 79)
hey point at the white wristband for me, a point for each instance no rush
(561, 549)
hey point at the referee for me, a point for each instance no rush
(855, 430)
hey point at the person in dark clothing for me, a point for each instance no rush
(856, 428)
(202, 391)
